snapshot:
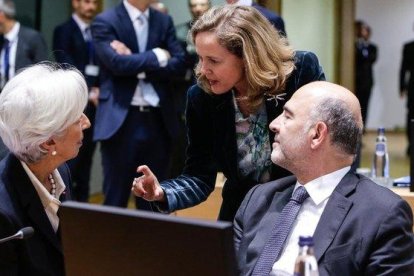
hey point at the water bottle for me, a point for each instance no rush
(380, 162)
(306, 264)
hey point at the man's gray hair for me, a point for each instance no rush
(8, 8)
(343, 127)
(38, 103)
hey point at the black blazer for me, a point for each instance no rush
(20, 206)
(365, 229)
(69, 46)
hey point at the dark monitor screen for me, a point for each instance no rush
(101, 240)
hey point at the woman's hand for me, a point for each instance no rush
(147, 185)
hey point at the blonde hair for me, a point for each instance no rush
(245, 32)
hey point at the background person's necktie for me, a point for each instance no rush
(88, 40)
(148, 92)
(283, 224)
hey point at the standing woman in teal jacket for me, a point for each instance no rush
(245, 75)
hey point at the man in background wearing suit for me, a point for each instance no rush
(274, 18)
(407, 86)
(20, 46)
(358, 227)
(365, 57)
(135, 120)
(72, 43)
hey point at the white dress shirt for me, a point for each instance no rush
(134, 13)
(319, 191)
(49, 202)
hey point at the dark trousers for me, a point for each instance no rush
(80, 167)
(141, 140)
(363, 94)
(410, 116)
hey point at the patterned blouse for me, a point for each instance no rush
(253, 146)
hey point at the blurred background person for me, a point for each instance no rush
(365, 57)
(42, 124)
(407, 86)
(20, 46)
(72, 43)
(184, 82)
(239, 91)
(136, 120)
(274, 18)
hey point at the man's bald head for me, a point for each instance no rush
(338, 108)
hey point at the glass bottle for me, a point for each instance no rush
(380, 161)
(306, 264)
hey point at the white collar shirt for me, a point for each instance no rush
(319, 191)
(245, 2)
(49, 202)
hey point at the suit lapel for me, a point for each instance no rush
(19, 50)
(78, 35)
(153, 30)
(334, 214)
(226, 130)
(126, 29)
(267, 223)
(30, 202)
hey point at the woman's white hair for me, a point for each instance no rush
(38, 103)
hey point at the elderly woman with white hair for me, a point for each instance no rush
(42, 124)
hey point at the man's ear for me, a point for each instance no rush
(318, 134)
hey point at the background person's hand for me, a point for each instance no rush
(120, 48)
(147, 185)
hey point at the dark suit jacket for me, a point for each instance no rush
(365, 229)
(69, 46)
(213, 145)
(407, 73)
(31, 47)
(365, 56)
(119, 72)
(274, 18)
(20, 206)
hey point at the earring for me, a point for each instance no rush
(54, 153)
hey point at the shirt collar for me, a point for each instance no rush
(12, 34)
(133, 12)
(322, 187)
(82, 25)
(45, 197)
(245, 2)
